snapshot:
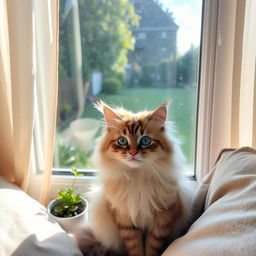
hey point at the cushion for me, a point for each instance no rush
(26, 229)
(226, 201)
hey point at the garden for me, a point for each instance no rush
(182, 113)
(182, 110)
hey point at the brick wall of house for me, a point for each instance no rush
(155, 38)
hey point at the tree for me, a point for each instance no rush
(187, 67)
(105, 34)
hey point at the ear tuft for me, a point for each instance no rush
(160, 114)
(109, 114)
(99, 105)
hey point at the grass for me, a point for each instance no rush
(182, 109)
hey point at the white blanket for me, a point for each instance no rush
(224, 210)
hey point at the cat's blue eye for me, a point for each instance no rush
(122, 141)
(145, 141)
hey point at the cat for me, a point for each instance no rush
(142, 205)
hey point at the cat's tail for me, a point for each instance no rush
(90, 246)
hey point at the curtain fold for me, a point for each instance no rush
(46, 62)
(16, 90)
(28, 78)
(20, 43)
(6, 120)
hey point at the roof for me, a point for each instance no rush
(153, 17)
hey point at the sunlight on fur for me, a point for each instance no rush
(143, 203)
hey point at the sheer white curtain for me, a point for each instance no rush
(28, 61)
(16, 101)
(46, 63)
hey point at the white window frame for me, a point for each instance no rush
(210, 14)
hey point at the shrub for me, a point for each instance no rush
(70, 156)
(65, 111)
(148, 75)
(111, 85)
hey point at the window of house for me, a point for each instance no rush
(163, 34)
(164, 50)
(98, 59)
(137, 7)
(142, 35)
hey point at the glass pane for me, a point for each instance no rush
(138, 54)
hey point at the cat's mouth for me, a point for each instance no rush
(134, 161)
(134, 158)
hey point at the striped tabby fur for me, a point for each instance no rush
(142, 205)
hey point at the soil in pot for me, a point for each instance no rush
(59, 211)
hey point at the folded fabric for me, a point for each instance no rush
(224, 219)
(224, 210)
(27, 230)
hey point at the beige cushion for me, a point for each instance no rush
(25, 228)
(227, 202)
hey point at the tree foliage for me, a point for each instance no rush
(187, 67)
(105, 34)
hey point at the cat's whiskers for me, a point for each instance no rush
(155, 173)
(110, 162)
(117, 165)
(102, 122)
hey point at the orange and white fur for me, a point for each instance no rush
(142, 205)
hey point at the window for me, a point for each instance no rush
(103, 57)
(163, 34)
(142, 35)
(137, 7)
(164, 50)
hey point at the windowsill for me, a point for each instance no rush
(63, 179)
(83, 184)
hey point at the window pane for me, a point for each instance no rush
(138, 54)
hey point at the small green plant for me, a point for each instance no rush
(69, 204)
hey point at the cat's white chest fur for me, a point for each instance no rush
(140, 196)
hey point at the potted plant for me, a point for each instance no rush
(69, 209)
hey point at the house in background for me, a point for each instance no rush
(155, 45)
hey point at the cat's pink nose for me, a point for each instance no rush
(133, 152)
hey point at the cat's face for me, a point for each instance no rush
(135, 140)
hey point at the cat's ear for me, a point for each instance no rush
(109, 114)
(160, 114)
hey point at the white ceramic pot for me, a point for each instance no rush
(70, 224)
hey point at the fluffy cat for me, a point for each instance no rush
(142, 205)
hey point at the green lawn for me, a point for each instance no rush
(182, 109)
